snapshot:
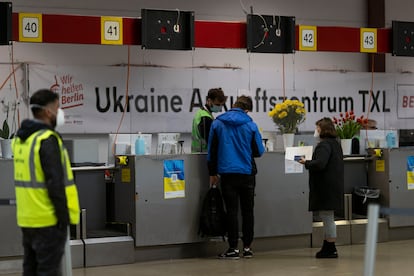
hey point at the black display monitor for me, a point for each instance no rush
(270, 33)
(167, 29)
(402, 38)
(5, 23)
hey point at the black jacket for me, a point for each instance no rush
(326, 176)
(50, 159)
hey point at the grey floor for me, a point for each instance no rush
(392, 258)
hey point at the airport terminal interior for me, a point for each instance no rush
(131, 75)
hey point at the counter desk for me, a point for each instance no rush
(389, 173)
(10, 234)
(280, 204)
(281, 201)
(92, 190)
(160, 227)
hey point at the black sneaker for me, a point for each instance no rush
(326, 254)
(247, 252)
(230, 254)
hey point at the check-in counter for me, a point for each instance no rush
(389, 174)
(92, 190)
(137, 198)
(100, 234)
(160, 227)
(281, 206)
(94, 240)
(11, 237)
(351, 221)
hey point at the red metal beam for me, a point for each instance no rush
(78, 29)
(220, 34)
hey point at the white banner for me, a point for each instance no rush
(165, 99)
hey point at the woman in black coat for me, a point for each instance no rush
(326, 182)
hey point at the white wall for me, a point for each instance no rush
(321, 12)
(350, 13)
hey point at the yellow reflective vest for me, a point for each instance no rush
(197, 141)
(34, 207)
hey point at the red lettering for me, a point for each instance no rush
(71, 99)
(408, 101)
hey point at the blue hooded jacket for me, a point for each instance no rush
(233, 143)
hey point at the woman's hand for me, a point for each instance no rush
(302, 160)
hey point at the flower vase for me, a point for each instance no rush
(288, 139)
(6, 151)
(346, 145)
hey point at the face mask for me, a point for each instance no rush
(60, 117)
(216, 108)
(316, 134)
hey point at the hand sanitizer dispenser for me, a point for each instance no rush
(140, 145)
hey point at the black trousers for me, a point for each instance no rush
(239, 188)
(43, 250)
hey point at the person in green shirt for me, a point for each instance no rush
(203, 119)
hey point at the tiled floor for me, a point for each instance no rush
(393, 258)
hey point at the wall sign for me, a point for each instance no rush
(111, 30)
(307, 38)
(30, 27)
(166, 99)
(368, 40)
(405, 108)
(410, 172)
(174, 180)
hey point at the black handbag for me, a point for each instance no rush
(213, 215)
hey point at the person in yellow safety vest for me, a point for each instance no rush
(203, 119)
(46, 195)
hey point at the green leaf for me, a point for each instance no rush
(5, 132)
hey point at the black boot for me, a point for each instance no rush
(328, 251)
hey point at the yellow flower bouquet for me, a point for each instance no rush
(288, 115)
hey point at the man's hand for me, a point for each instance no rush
(214, 180)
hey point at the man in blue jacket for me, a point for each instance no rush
(233, 143)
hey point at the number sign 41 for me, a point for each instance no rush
(111, 30)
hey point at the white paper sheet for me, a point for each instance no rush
(298, 151)
(292, 166)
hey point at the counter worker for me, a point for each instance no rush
(46, 195)
(204, 117)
